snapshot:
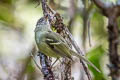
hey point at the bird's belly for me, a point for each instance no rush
(47, 50)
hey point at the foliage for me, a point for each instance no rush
(94, 56)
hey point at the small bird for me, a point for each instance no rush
(53, 44)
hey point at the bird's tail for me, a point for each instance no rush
(86, 60)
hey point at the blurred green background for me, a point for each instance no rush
(17, 22)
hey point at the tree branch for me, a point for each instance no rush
(56, 20)
(112, 13)
(46, 68)
(100, 4)
(114, 65)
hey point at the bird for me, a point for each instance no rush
(53, 44)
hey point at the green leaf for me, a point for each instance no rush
(30, 68)
(95, 56)
(6, 14)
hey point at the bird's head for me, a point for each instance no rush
(42, 21)
(42, 24)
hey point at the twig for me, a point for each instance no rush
(89, 35)
(87, 12)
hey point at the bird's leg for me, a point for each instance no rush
(60, 61)
(55, 62)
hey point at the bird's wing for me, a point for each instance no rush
(54, 37)
(58, 44)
